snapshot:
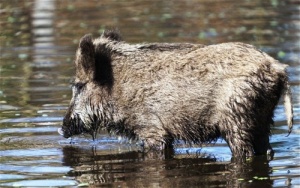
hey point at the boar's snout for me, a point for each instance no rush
(64, 132)
(65, 129)
(71, 127)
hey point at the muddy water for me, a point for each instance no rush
(38, 41)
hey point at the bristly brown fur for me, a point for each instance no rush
(161, 92)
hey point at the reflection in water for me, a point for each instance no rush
(133, 169)
(43, 30)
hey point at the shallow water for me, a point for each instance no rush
(38, 41)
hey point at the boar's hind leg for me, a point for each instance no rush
(246, 143)
(262, 145)
(240, 145)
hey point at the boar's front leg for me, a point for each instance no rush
(154, 138)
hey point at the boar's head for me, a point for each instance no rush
(90, 106)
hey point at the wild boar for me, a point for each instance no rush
(161, 92)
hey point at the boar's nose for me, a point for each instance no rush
(60, 131)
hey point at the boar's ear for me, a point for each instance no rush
(85, 59)
(103, 64)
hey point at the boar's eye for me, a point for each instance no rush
(79, 86)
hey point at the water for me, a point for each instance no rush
(38, 41)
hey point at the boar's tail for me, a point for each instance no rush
(288, 106)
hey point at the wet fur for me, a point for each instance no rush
(161, 92)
